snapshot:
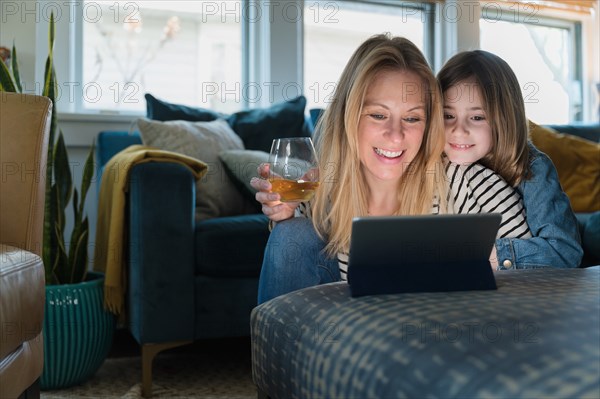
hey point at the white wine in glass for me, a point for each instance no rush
(294, 171)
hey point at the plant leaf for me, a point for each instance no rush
(76, 232)
(53, 273)
(76, 215)
(50, 243)
(49, 89)
(62, 173)
(49, 72)
(51, 34)
(15, 69)
(6, 80)
(59, 215)
(86, 179)
(50, 218)
(80, 255)
(61, 263)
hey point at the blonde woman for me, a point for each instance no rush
(379, 144)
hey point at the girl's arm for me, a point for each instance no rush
(555, 241)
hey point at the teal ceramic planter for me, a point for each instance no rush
(78, 332)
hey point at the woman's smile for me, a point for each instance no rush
(388, 155)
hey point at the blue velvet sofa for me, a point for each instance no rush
(190, 279)
(186, 279)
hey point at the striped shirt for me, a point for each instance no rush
(477, 189)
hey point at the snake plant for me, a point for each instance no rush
(64, 264)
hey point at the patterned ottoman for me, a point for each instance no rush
(538, 335)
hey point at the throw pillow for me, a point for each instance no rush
(577, 162)
(216, 195)
(258, 127)
(242, 166)
(315, 115)
(163, 111)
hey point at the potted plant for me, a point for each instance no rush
(77, 329)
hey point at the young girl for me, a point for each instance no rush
(485, 122)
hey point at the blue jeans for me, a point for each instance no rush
(294, 259)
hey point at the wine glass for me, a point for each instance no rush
(294, 171)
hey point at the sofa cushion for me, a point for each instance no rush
(231, 246)
(242, 166)
(160, 110)
(582, 130)
(216, 195)
(577, 162)
(22, 293)
(258, 127)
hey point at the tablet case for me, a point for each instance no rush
(397, 254)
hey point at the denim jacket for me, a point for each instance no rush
(556, 241)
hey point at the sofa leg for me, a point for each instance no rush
(33, 392)
(149, 351)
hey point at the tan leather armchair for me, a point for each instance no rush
(24, 130)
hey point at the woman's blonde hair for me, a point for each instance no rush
(344, 192)
(503, 105)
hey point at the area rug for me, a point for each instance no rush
(211, 369)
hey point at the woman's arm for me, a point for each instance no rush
(555, 241)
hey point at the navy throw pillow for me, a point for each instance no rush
(258, 127)
(315, 115)
(159, 110)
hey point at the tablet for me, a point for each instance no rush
(397, 254)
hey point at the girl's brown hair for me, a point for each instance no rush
(343, 192)
(504, 107)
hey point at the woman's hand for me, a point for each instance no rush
(272, 207)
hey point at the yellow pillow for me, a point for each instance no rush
(577, 162)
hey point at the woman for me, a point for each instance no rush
(379, 145)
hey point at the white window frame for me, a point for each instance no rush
(264, 40)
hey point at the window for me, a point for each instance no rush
(543, 54)
(334, 29)
(181, 51)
